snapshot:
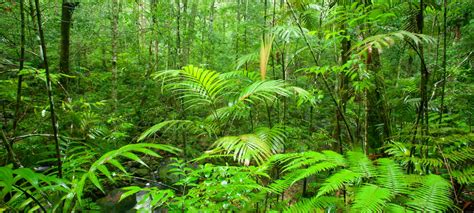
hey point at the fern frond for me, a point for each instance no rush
(301, 160)
(391, 176)
(360, 163)
(334, 157)
(464, 176)
(432, 196)
(371, 198)
(311, 204)
(337, 181)
(314, 169)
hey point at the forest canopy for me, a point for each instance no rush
(236, 106)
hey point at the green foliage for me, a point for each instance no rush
(255, 137)
(371, 188)
(371, 198)
(256, 147)
(433, 195)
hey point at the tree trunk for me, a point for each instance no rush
(445, 40)
(115, 17)
(66, 19)
(22, 61)
(49, 90)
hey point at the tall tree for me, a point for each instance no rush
(67, 9)
(22, 62)
(114, 23)
(54, 123)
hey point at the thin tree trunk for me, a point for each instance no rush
(115, 17)
(178, 35)
(22, 61)
(66, 18)
(9, 147)
(422, 114)
(441, 108)
(49, 90)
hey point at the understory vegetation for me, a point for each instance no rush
(236, 106)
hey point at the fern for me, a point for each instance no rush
(360, 163)
(391, 176)
(371, 198)
(309, 205)
(338, 181)
(432, 196)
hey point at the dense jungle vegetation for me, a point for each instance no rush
(236, 106)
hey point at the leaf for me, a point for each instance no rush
(133, 157)
(371, 198)
(391, 176)
(310, 205)
(337, 181)
(93, 178)
(130, 190)
(432, 196)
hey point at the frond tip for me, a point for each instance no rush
(265, 50)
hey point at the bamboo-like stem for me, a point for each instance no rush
(441, 109)
(48, 88)
(22, 61)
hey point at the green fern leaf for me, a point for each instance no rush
(391, 176)
(432, 196)
(371, 198)
(337, 181)
(310, 205)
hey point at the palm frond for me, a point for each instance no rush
(257, 147)
(245, 148)
(265, 49)
(383, 41)
(99, 166)
(197, 87)
(177, 124)
(264, 91)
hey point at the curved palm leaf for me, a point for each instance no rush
(257, 147)
(264, 91)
